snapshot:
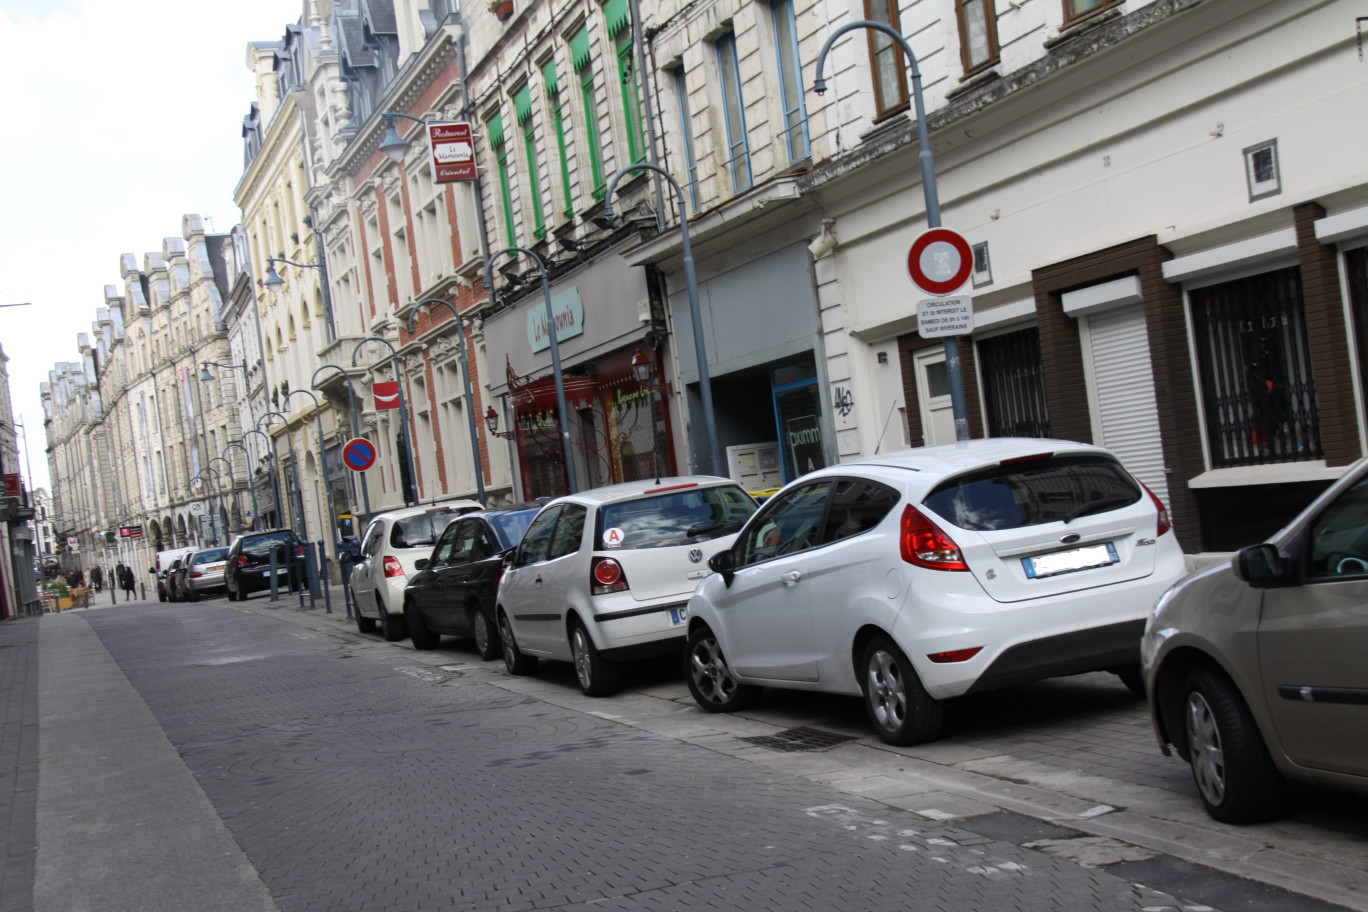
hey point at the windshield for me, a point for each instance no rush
(1051, 489)
(511, 526)
(674, 518)
(421, 531)
(261, 544)
(208, 557)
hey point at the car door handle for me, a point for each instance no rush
(791, 578)
(538, 581)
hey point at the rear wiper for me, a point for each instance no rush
(1096, 506)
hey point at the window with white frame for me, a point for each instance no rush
(399, 248)
(422, 433)
(454, 425)
(376, 242)
(1261, 170)
(430, 227)
(733, 113)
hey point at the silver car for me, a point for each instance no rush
(1257, 669)
(201, 573)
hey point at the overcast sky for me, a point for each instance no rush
(119, 118)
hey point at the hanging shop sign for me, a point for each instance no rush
(453, 153)
(386, 393)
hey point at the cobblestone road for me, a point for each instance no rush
(354, 778)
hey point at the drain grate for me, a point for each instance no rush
(799, 739)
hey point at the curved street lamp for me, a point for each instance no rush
(271, 454)
(327, 531)
(928, 179)
(274, 282)
(232, 487)
(215, 492)
(695, 316)
(465, 375)
(403, 409)
(356, 429)
(555, 352)
(247, 462)
(298, 505)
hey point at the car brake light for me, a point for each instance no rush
(954, 655)
(923, 544)
(392, 566)
(242, 560)
(1164, 523)
(607, 576)
(678, 487)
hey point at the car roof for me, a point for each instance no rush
(935, 463)
(406, 512)
(630, 490)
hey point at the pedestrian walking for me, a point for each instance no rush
(129, 583)
(97, 578)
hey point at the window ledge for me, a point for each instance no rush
(1273, 473)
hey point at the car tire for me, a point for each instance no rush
(710, 679)
(1132, 677)
(515, 660)
(1235, 776)
(485, 632)
(194, 595)
(392, 626)
(418, 632)
(363, 623)
(597, 676)
(899, 708)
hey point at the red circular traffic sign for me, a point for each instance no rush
(358, 454)
(940, 261)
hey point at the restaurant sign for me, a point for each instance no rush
(568, 310)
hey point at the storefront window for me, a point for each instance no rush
(798, 411)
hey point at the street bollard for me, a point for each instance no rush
(113, 598)
(326, 581)
(310, 576)
(275, 588)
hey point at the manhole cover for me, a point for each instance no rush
(799, 739)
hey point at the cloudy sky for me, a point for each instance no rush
(119, 119)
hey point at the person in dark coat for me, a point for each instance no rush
(97, 578)
(129, 582)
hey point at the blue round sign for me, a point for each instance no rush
(358, 454)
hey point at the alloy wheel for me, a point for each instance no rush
(710, 672)
(887, 690)
(1204, 743)
(581, 648)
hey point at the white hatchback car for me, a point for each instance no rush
(606, 575)
(926, 574)
(392, 543)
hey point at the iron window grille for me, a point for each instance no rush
(1254, 358)
(1014, 384)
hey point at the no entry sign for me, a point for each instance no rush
(940, 261)
(358, 454)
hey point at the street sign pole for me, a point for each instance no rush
(939, 263)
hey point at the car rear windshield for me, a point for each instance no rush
(1033, 492)
(511, 526)
(208, 557)
(675, 517)
(262, 544)
(422, 531)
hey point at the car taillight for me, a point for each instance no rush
(196, 575)
(392, 566)
(242, 560)
(1164, 523)
(607, 577)
(923, 544)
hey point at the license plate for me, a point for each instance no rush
(679, 615)
(1069, 561)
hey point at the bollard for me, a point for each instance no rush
(310, 575)
(113, 597)
(275, 588)
(327, 587)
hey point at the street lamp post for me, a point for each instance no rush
(232, 487)
(297, 507)
(273, 282)
(355, 426)
(465, 373)
(695, 316)
(213, 518)
(275, 481)
(247, 462)
(555, 352)
(928, 178)
(403, 409)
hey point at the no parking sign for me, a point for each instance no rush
(358, 454)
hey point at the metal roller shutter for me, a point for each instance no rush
(1123, 388)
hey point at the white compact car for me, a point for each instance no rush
(606, 575)
(392, 543)
(926, 574)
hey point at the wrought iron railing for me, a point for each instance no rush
(1014, 384)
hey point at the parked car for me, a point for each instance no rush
(200, 572)
(248, 563)
(912, 577)
(163, 566)
(393, 542)
(1258, 667)
(452, 591)
(605, 575)
(170, 580)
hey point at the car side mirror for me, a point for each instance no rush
(1262, 567)
(422, 563)
(724, 563)
(510, 558)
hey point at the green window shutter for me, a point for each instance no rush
(615, 11)
(494, 130)
(522, 104)
(579, 49)
(549, 78)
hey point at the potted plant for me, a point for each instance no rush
(502, 9)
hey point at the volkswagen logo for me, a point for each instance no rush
(1070, 538)
(695, 555)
